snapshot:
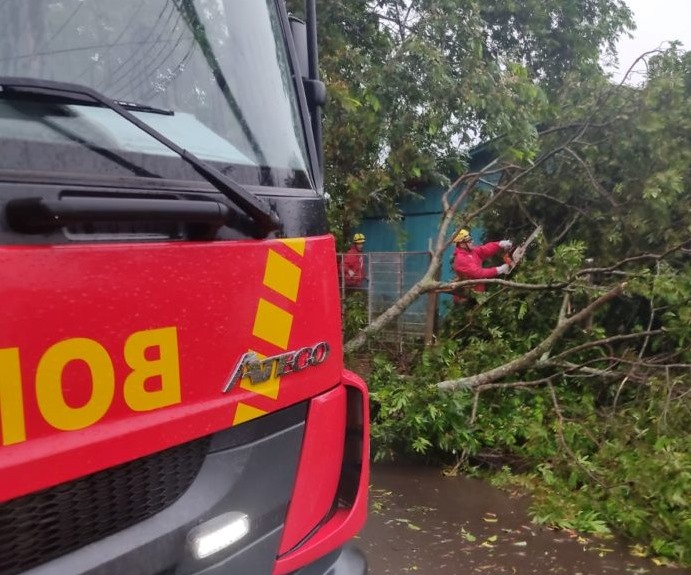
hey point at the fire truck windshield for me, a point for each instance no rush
(212, 76)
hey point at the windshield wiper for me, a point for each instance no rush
(135, 107)
(249, 203)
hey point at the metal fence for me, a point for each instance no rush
(388, 275)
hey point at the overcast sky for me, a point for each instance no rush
(657, 21)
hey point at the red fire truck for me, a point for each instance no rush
(172, 392)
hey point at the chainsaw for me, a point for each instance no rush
(513, 259)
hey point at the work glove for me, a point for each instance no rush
(503, 269)
(351, 273)
(505, 244)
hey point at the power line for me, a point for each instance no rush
(115, 42)
(135, 72)
(152, 89)
(124, 65)
(59, 30)
(79, 49)
(143, 76)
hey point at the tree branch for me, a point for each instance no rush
(607, 341)
(531, 357)
(625, 261)
(596, 185)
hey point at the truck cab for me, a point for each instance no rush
(173, 398)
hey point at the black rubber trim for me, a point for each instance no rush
(39, 215)
(259, 428)
(302, 216)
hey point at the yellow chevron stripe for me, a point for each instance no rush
(246, 412)
(272, 324)
(296, 244)
(282, 276)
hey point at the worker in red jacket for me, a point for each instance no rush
(354, 263)
(468, 258)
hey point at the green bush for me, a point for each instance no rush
(591, 468)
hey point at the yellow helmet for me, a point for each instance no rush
(462, 236)
(359, 238)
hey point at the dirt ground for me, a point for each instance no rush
(425, 523)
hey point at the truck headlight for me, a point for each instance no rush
(218, 533)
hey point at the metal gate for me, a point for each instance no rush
(388, 275)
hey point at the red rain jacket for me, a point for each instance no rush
(353, 261)
(468, 263)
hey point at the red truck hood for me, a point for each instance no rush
(103, 346)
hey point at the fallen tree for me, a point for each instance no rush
(577, 368)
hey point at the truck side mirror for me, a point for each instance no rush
(315, 90)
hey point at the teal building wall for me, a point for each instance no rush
(417, 230)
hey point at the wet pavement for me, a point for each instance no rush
(425, 523)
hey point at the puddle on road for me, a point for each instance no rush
(425, 523)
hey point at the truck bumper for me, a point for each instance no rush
(348, 560)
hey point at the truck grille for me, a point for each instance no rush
(43, 525)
